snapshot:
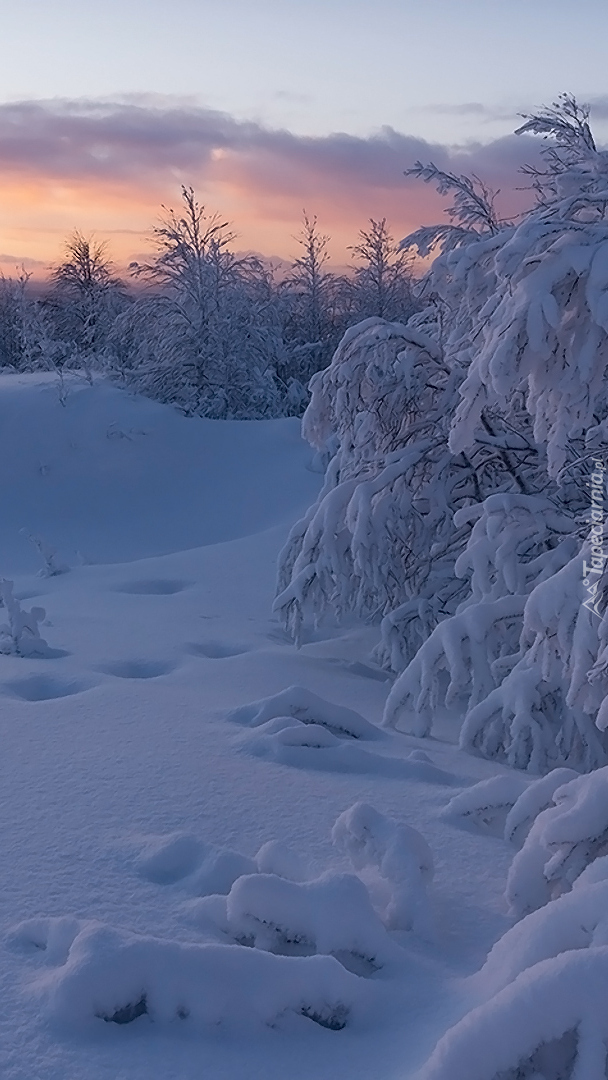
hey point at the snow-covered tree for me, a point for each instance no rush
(312, 295)
(382, 282)
(24, 332)
(205, 334)
(84, 300)
(20, 634)
(458, 501)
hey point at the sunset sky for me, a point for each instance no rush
(269, 106)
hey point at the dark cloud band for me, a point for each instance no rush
(124, 142)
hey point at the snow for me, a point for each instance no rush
(489, 803)
(399, 854)
(117, 977)
(562, 843)
(143, 830)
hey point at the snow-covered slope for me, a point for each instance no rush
(124, 774)
(108, 476)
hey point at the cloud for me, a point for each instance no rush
(115, 158)
(21, 260)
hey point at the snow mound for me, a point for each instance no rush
(305, 745)
(113, 976)
(396, 857)
(332, 915)
(202, 868)
(274, 857)
(308, 708)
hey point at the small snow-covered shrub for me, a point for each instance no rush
(332, 915)
(20, 635)
(562, 842)
(52, 567)
(488, 803)
(397, 856)
(113, 976)
(308, 708)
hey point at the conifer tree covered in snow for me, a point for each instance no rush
(463, 503)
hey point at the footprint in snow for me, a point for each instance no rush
(152, 587)
(48, 938)
(137, 669)
(215, 650)
(205, 869)
(44, 688)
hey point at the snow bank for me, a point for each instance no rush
(119, 477)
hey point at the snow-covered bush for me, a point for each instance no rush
(542, 988)
(113, 976)
(536, 797)
(308, 708)
(332, 915)
(549, 1024)
(395, 859)
(488, 803)
(577, 920)
(457, 505)
(20, 635)
(564, 839)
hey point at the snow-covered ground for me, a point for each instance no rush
(126, 763)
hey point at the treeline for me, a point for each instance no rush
(214, 332)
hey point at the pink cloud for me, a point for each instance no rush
(108, 165)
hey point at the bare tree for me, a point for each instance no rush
(382, 282)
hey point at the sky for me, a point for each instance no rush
(269, 107)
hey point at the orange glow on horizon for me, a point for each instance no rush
(41, 212)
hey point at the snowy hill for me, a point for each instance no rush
(118, 477)
(129, 794)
